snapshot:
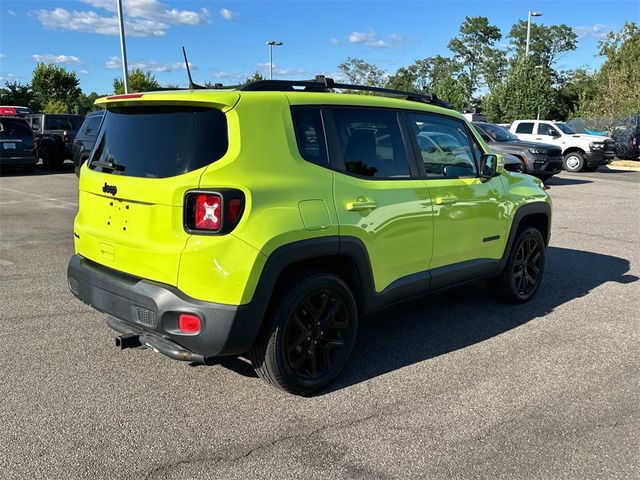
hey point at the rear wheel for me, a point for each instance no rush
(521, 276)
(573, 162)
(309, 336)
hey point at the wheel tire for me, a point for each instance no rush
(521, 276)
(317, 307)
(573, 162)
(49, 160)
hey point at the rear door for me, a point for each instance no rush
(378, 197)
(525, 131)
(131, 194)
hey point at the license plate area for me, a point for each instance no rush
(8, 145)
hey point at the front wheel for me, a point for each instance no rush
(309, 336)
(573, 162)
(521, 276)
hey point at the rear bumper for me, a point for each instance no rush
(18, 160)
(149, 310)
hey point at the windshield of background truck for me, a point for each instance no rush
(565, 128)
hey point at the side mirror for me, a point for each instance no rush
(491, 165)
(555, 134)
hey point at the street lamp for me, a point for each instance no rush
(272, 43)
(531, 14)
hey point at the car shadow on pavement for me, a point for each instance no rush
(445, 322)
(17, 171)
(556, 180)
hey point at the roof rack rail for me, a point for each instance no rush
(325, 84)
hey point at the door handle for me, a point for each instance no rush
(538, 138)
(359, 205)
(446, 200)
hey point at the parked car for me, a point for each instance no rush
(540, 160)
(54, 137)
(14, 110)
(16, 143)
(270, 220)
(85, 139)
(580, 151)
(627, 138)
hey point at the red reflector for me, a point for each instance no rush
(188, 323)
(234, 209)
(208, 212)
(125, 96)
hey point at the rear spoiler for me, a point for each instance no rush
(223, 100)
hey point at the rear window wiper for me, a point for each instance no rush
(110, 165)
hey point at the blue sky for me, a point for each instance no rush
(225, 40)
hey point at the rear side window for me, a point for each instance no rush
(14, 128)
(524, 127)
(371, 142)
(159, 142)
(90, 126)
(36, 123)
(58, 122)
(310, 135)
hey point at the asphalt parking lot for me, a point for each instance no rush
(452, 386)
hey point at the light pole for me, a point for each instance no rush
(123, 49)
(272, 43)
(531, 14)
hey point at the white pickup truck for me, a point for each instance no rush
(580, 151)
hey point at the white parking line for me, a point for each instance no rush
(41, 197)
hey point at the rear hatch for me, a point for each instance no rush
(149, 152)
(16, 138)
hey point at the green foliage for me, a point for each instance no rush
(575, 89)
(256, 77)
(139, 81)
(55, 106)
(85, 103)
(360, 72)
(51, 83)
(475, 50)
(546, 45)
(527, 92)
(15, 93)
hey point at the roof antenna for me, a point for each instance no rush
(192, 85)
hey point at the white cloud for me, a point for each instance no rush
(143, 18)
(2, 55)
(335, 41)
(235, 77)
(228, 14)
(10, 77)
(50, 58)
(280, 71)
(152, 65)
(85, 72)
(597, 31)
(371, 40)
(12, 13)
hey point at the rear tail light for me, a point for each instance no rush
(188, 323)
(213, 212)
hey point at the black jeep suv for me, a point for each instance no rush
(86, 138)
(54, 136)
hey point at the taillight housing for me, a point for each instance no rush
(212, 212)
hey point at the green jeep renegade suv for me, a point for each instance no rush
(267, 220)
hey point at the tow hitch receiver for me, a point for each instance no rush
(129, 340)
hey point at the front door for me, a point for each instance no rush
(469, 214)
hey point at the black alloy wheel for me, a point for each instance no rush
(309, 333)
(527, 267)
(315, 334)
(520, 278)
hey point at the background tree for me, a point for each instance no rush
(360, 72)
(15, 93)
(547, 44)
(53, 83)
(55, 106)
(527, 92)
(475, 49)
(85, 103)
(139, 81)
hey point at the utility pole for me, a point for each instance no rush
(123, 48)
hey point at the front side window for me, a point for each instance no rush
(445, 146)
(546, 129)
(371, 142)
(524, 127)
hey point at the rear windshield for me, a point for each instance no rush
(159, 142)
(62, 122)
(14, 127)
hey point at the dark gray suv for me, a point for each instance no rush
(539, 159)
